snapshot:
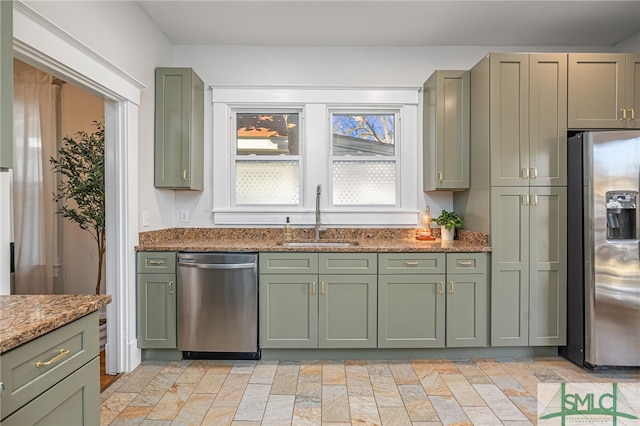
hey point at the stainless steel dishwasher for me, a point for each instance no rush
(218, 305)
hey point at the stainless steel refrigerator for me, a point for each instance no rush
(603, 322)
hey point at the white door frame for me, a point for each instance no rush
(39, 42)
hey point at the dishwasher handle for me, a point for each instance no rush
(219, 265)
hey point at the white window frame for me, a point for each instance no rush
(358, 110)
(234, 157)
(315, 103)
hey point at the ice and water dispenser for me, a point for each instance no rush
(621, 215)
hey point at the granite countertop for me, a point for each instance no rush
(270, 240)
(26, 317)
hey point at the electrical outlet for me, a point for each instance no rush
(145, 218)
(184, 215)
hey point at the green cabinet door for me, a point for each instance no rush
(466, 310)
(510, 266)
(548, 263)
(156, 311)
(289, 310)
(411, 311)
(509, 118)
(179, 129)
(6, 84)
(347, 311)
(446, 130)
(633, 90)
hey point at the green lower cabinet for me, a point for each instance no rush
(156, 300)
(289, 311)
(466, 310)
(411, 311)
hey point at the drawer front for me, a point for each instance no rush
(288, 263)
(466, 263)
(348, 263)
(411, 263)
(32, 368)
(156, 262)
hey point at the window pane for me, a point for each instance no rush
(267, 182)
(364, 183)
(365, 134)
(267, 134)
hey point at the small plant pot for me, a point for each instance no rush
(447, 235)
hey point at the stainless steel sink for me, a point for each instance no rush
(319, 243)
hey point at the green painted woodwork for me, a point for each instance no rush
(467, 320)
(156, 300)
(73, 401)
(411, 263)
(288, 263)
(6, 84)
(466, 263)
(348, 311)
(603, 89)
(411, 311)
(528, 289)
(348, 263)
(446, 111)
(23, 380)
(288, 311)
(179, 129)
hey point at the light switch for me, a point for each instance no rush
(184, 215)
(145, 218)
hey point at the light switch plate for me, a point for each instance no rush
(184, 215)
(145, 218)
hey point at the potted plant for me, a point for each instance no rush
(80, 162)
(448, 222)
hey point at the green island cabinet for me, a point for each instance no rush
(604, 91)
(432, 300)
(179, 129)
(156, 300)
(318, 300)
(529, 266)
(6, 84)
(446, 109)
(54, 379)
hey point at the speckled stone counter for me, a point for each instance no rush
(270, 240)
(26, 317)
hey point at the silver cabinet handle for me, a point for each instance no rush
(170, 287)
(453, 287)
(534, 200)
(525, 173)
(534, 172)
(441, 287)
(624, 114)
(525, 200)
(1, 388)
(313, 288)
(439, 176)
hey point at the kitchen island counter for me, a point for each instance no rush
(26, 317)
(384, 240)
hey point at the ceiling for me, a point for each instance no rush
(396, 22)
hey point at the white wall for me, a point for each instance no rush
(320, 66)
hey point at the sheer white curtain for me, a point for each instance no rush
(33, 181)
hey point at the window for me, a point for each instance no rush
(370, 179)
(267, 158)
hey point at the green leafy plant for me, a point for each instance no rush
(449, 220)
(80, 162)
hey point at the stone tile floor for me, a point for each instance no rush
(407, 392)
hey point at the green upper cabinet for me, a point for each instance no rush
(6, 84)
(528, 287)
(604, 91)
(446, 131)
(527, 104)
(179, 129)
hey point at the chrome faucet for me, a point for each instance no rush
(317, 226)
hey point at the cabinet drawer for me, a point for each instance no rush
(156, 262)
(288, 263)
(63, 350)
(411, 263)
(348, 263)
(466, 263)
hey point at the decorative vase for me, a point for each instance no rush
(445, 234)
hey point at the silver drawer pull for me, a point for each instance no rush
(156, 262)
(62, 354)
(411, 263)
(466, 263)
